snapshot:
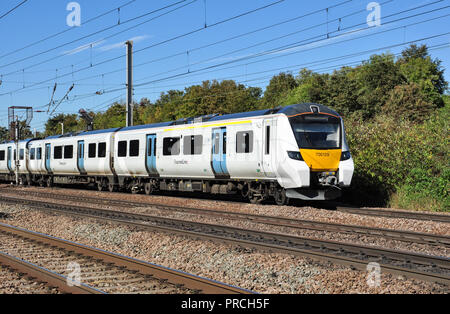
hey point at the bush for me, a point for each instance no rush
(399, 162)
(408, 102)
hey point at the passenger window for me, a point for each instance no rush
(244, 142)
(39, 153)
(171, 146)
(224, 143)
(2, 155)
(21, 154)
(122, 151)
(58, 152)
(216, 143)
(134, 148)
(102, 150)
(92, 150)
(68, 152)
(149, 147)
(193, 145)
(32, 153)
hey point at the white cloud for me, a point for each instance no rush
(122, 43)
(83, 47)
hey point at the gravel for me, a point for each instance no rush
(302, 213)
(250, 269)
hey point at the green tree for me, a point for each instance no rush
(278, 88)
(417, 67)
(54, 127)
(408, 102)
(4, 134)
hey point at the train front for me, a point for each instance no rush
(318, 162)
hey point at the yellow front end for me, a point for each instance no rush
(322, 160)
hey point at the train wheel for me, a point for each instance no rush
(255, 199)
(49, 182)
(112, 187)
(100, 186)
(148, 188)
(281, 198)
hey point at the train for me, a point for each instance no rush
(294, 152)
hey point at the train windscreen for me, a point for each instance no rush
(317, 131)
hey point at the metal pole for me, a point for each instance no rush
(129, 83)
(16, 140)
(62, 128)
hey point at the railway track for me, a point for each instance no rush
(46, 259)
(395, 214)
(352, 210)
(420, 266)
(404, 236)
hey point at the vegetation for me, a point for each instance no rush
(395, 111)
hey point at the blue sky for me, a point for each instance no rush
(284, 37)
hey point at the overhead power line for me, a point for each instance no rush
(95, 33)
(10, 11)
(67, 30)
(160, 43)
(290, 46)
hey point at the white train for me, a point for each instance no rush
(294, 152)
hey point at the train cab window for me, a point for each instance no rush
(122, 151)
(33, 154)
(101, 150)
(68, 152)
(2, 155)
(244, 142)
(193, 145)
(92, 150)
(57, 152)
(171, 146)
(39, 153)
(134, 148)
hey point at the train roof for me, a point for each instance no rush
(288, 111)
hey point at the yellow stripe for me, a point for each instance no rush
(209, 125)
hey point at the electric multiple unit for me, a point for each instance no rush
(294, 152)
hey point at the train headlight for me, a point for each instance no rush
(295, 155)
(345, 156)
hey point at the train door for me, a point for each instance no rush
(219, 151)
(268, 151)
(9, 157)
(150, 158)
(48, 154)
(80, 157)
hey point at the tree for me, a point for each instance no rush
(417, 67)
(408, 102)
(4, 134)
(70, 121)
(374, 80)
(279, 86)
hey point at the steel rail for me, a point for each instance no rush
(437, 269)
(399, 235)
(175, 277)
(347, 209)
(51, 279)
